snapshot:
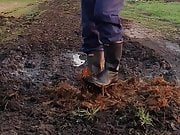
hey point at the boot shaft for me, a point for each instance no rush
(113, 54)
(95, 61)
(109, 75)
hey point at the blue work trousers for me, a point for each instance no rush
(100, 23)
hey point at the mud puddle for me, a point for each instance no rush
(169, 50)
(173, 47)
(50, 66)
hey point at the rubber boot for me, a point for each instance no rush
(109, 75)
(95, 60)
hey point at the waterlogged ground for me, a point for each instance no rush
(42, 91)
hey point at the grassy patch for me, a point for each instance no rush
(18, 8)
(14, 14)
(155, 14)
(87, 114)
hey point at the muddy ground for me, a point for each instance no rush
(41, 92)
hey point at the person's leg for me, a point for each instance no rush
(107, 20)
(109, 26)
(90, 34)
(91, 40)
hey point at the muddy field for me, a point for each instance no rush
(42, 92)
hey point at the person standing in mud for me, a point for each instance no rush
(102, 39)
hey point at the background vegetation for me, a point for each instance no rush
(18, 8)
(159, 15)
(15, 15)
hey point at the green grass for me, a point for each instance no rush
(9, 27)
(18, 8)
(144, 117)
(88, 114)
(155, 14)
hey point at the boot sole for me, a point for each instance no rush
(101, 84)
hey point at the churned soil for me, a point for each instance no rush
(41, 92)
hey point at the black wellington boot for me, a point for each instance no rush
(109, 75)
(95, 60)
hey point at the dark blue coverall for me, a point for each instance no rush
(100, 23)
